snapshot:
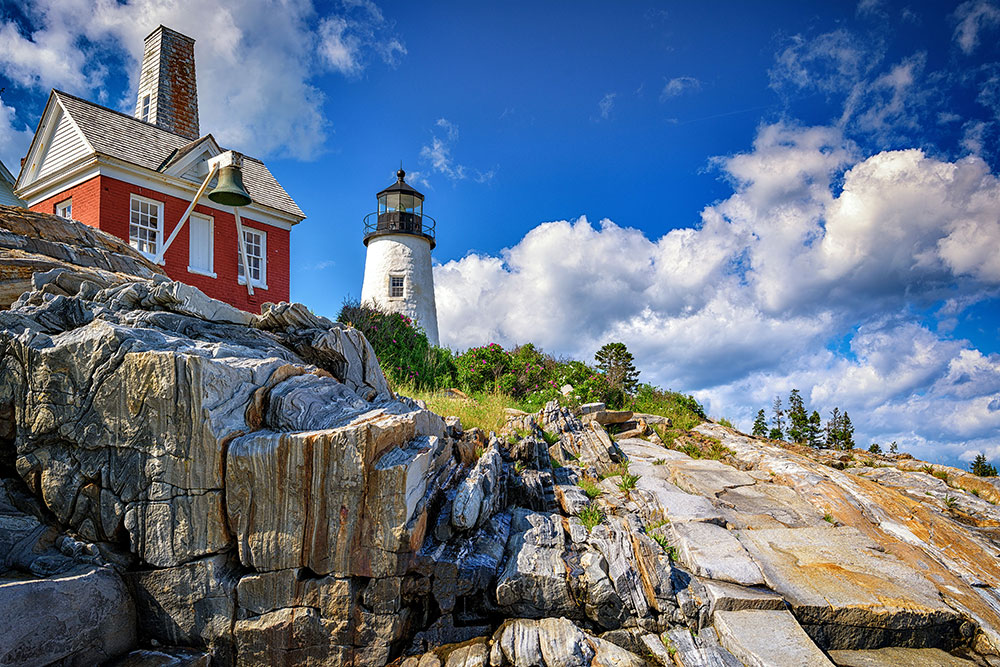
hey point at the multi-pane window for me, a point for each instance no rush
(395, 287)
(145, 108)
(256, 246)
(64, 209)
(200, 245)
(145, 225)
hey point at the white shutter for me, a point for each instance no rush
(200, 244)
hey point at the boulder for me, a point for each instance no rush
(891, 657)
(80, 618)
(480, 494)
(768, 639)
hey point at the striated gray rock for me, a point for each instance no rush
(714, 552)
(481, 494)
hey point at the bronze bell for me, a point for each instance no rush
(229, 191)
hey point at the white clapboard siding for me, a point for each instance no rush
(197, 171)
(66, 145)
(7, 197)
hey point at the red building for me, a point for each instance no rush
(135, 176)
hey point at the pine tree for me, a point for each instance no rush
(875, 448)
(982, 468)
(777, 420)
(893, 448)
(833, 429)
(615, 361)
(798, 420)
(760, 425)
(846, 433)
(814, 430)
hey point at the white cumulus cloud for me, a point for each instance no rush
(818, 247)
(274, 108)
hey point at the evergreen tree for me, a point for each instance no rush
(760, 425)
(615, 361)
(846, 432)
(982, 468)
(814, 430)
(833, 429)
(875, 448)
(798, 420)
(893, 448)
(777, 420)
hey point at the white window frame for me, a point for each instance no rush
(211, 245)
(159, 224)
(262, 281)
(402, 277)
(61, 209)
(145, 108)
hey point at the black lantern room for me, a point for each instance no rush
(400, 211)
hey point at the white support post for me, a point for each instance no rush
(184, 218)
(243, 249)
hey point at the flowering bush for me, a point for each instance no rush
(481, 368)
(401, 346)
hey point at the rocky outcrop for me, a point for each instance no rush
(183, 483)
(69, 253)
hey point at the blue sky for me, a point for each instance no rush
(752, 199)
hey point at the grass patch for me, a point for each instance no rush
(828, 517)
(555, 464)
(590, 516)
(975, 492)
(484, 410)
(590, 487)
(658, 520)
(662, 541)
(683, 411)
(941, 475)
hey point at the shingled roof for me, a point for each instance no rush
(131, 140)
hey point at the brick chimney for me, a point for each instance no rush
(168, 92)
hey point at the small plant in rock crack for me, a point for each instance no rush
(590, 516)
(669, 645)
(554, 463)
(951, 502)
(662, 541)
(627, 483)
(519, 467)
(659, 462)
(828, 517)
(479, 452)
(550, 438)
(941, 475)
(590, 487)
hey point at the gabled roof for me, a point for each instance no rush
(120, 136)
(5, 175)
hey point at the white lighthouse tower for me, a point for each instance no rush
(398, 273)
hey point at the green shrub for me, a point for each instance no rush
(590, 516)
(684, 411)
(590, 487)
(401, 347)
(481, 369)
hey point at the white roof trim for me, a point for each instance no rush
(178, 168)
(43, 135)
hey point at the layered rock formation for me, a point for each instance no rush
(185, 484)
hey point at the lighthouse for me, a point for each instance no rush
(399, 238)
